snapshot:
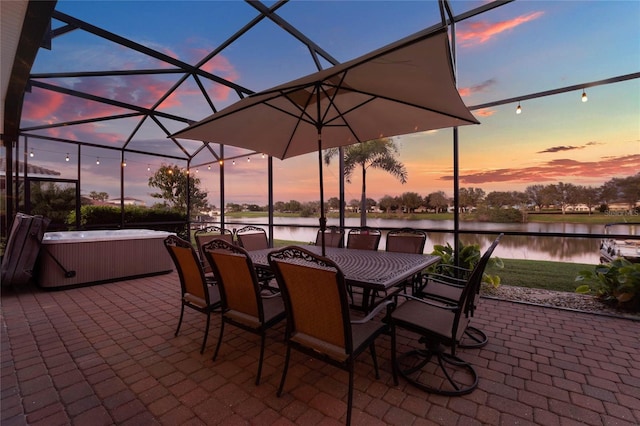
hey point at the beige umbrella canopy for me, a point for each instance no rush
(405, 87)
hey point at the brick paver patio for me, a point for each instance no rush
(106, 355)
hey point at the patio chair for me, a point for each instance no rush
(253, 238)
(364, 238)
(447, 283)
(207, 234)
(242, 303)
(333, 237)
(439, 325)
(196, 293)
(407, 240)
(318, 317)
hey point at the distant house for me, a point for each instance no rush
(127, 201)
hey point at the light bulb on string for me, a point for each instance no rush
(98, 161)
(233, 162)
(209, 167)
(67, 157)
(518, 109)
(584, 96)
(263, 155)
(124, 163)
(148, 167)
(31, 154)
(248, 159)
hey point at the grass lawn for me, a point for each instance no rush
(546, 275)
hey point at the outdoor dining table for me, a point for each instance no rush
(370, 270)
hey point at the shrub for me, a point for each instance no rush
(107, 217)
(616, 283)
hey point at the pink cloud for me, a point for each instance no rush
(556, 170)
(475, 33)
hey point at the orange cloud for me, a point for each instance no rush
(484, 112)
(557, 170)
(475, 33)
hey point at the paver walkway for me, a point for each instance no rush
(106, 355)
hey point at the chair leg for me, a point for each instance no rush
(180, 320)
(262, 338)
(350, 396)
(284, 371)
(473, 338)
(462, 379)
(372, 348)
(394, 365)
(215, 354)
(206, 333)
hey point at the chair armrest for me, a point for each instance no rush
(373, 313)
(430, 302)
(270, 296)
(445, 279)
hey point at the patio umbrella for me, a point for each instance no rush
(405, 87)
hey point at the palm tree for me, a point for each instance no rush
(377, 154)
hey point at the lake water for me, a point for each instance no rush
(565, 249)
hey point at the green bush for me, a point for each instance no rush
(616, 283)
(510, 215)
(108, 217)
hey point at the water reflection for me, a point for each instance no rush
(559, 249)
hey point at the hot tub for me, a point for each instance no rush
(78, 258)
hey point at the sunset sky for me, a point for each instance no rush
(522, 48)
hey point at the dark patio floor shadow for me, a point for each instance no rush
(106, 355)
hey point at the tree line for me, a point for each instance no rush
(561, 196)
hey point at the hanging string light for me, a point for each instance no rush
(148, 167)
(263, 155)
(584, 96)
(124, 163)
(98, 161)
(209, 167)
(31, 154)
(233, 162)
(67, 157)
(248, 159)
(518, 109)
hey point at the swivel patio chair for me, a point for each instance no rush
(318, 318)
(242, 303)
(364, 238)
(207, 234)
(439, 325)
(445, 285)
(195, 291)
(253, 238)
(333, 237)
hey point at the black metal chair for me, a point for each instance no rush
(196, 293)
(318, 317)
(243, 305)
(207, 234)
(364, 238)
(445, 285)
(253, 238)
(439, 325)
(333, 237)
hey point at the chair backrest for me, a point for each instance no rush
(207, 234)
(185, 259)
(236, 277)
(333, 237)
(406, 240)
(475, 279)
(364, 238)
(252, 238)
(315, 297)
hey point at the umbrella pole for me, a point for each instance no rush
(323, 219)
